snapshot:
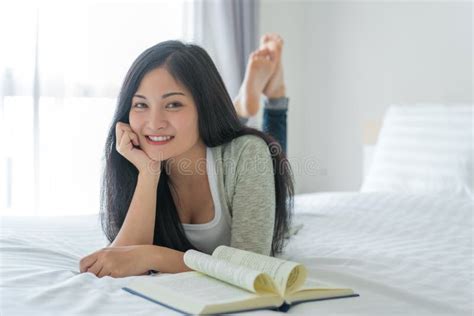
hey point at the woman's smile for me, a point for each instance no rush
(158, 140)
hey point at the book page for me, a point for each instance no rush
(314, 284)
(241, 276)
(193, 291)
(287, 275)
(315, 289)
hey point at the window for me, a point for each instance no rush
(60, 71)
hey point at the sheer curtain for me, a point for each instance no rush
(229, 32)
(60, 71)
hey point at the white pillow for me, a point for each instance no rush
(424, 148)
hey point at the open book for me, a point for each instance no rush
(233, 280)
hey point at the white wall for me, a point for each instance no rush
(345, 62)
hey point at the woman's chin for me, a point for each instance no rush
(157, 155)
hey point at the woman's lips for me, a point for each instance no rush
(163, 142)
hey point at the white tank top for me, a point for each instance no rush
(206, 237)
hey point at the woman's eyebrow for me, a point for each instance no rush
(163, 96)
(170, 94)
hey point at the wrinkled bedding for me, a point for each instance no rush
(404, 254)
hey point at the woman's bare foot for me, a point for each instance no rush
(260, 67)
(275, 88)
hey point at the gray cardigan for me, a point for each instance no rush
(246, 187)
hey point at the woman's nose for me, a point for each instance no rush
(157, 121)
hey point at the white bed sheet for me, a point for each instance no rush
(404, 254)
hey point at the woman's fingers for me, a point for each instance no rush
(118, 136)
(125, 141)
(93, 265)
(125, 135)
(95, 268)
(133, 138)
(86, 263)
(119, 131)
(123, 126)
(128, 145)
(103, 272)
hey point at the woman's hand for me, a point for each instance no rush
(119, 262)
(128, 146)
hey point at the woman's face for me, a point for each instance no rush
(164, 116)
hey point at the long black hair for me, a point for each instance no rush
(218, 123)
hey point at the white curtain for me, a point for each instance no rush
(61, 67)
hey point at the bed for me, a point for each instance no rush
(406, 250)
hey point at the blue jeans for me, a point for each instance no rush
(274, 119)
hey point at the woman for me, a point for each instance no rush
(182, 172)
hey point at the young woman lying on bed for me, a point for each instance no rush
(183, 172)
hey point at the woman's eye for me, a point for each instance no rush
(140, 105)
(173, 105)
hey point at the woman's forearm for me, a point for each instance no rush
(167, 260)
(139, 224)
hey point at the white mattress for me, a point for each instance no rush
(404, 254)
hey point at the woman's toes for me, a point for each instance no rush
(270, 56)
(259, 53)
(264, 38)
(271, 37)
(264, 53)
(281, 41)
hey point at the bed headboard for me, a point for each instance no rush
(370, 133)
